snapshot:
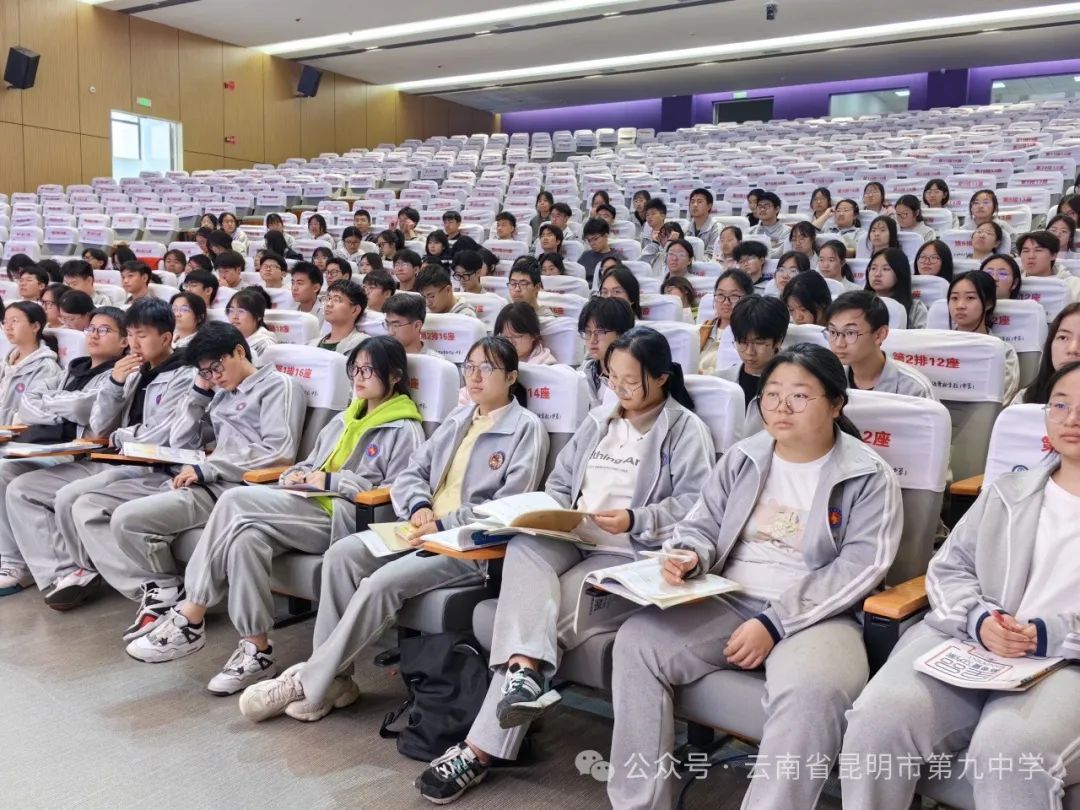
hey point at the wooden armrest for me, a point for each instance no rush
(118, 458)
(969, 486)
(374, 497)
(16, 429)
(492, 553)
(899, 602)
(269, 475)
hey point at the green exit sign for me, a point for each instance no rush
(142, 101)
(739, 94)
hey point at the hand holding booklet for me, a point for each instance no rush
(162, 453)
(968, 665)
(533, 513)
(642, 583)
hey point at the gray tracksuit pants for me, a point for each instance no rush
(128, 529)
(361, 595)
(38, 505)
(1022, 747)
(10, 469)
(535, 618)
(247, 529)
(811, 678)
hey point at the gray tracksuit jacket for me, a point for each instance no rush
(988, 555)
(900, 378)
(40, 364)
(380, 456)
(851, 539)
(257, 425)
(161, 411)
(47, 403)
(506, 460)
(675, 463)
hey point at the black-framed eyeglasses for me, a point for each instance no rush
(365, 372)
(212, 370)
(484, 369)
(796, 403)
(99, 331)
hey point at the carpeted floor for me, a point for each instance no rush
(86, 726)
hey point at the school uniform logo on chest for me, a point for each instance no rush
(240, 406)
(372, 450)
(20, 387)
(497, 459)
(836, 517)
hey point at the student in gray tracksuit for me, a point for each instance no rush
(1014, 551)
(140, 394)
(483, 451)
(57, 409)
(637, 467)
(257, 417)
(600, 322)
(36, 358)
(807, 520)
(366, 446)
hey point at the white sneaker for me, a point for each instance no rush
(154, 605)
(247, 665)
(172, 638)
(269, 698)
(343, 692)
(14, 578)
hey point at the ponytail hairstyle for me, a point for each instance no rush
(253, 299)
(856, 222)
(838, 247)
(388, 358)
(35, 313)
(653, 353)
(501, 353)
(828, 371)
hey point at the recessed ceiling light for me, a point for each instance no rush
(1076, 78)
(998, 85)
(902, 93)
(837, 38)
(480, 19)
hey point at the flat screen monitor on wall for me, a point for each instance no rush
(743, 109)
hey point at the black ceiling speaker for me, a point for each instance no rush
(309, 81)
(21, 68)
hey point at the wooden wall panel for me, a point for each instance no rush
(201, 94)
(155, 68)
(50, 28)
(410, 117)
(11, 166)
(350, 114)
(10, 100)
(281, 109)
(436, 117)
(194, 161)
(51, 156)
(244, 105)
(317, 130)
(105, 65)
(460, 119)
(382, 103)
(96, 157)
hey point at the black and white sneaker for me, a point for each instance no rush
(173, 637)
(450, 775)
(153, 605)
(75, 589)
(525, 697)
(247, 665)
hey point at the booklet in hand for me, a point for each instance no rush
(968, 665)
(24, 450)
(534, 513)
(306, 490)
(162, 453)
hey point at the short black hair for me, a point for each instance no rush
(52, 267)
(314, 274)
(406, 305)
(529, 265)
(765, 317)
(37, 272)
(563, 209)
(433, 276)
(201, 260)
(656, 204)
(204, 277)
(769, 197)
(506, 216)
(746, 284)
(353, 291)
(409, 213)
(608, 313)
(278, 259)
(77, 268)
(750, 247)
(488, 258)
(521, 317)
(253, 299)
(381, 279)
(408, 256)
(274, 218)
(704, 192)
(872, 307)
(451, 215)
(230, 259)
(136, 266)
(113, 313)
(596, 227)
(215, 340)
(195, 303)
(151, 312)
(607, 207)
(77, 303)
(361, 212)
(219, 239)
(468, 260)
(351, 231)
(1043, 239)
(96, 253)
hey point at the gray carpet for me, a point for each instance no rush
(86, 726)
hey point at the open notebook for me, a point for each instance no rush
(24, 450)
(535, 513)
(162, 453)
(970, 666)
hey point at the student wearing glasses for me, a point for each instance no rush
(857, 323)
(1023, 609)
(405, 322)
(189, 310)
(434, 284)
(366, 446)
(596, 233)
(934, 258)
(525, 285)
(759, 325)
(750, 256)
(342, 310)
(807, 520)
(76, 309)
(769, 224)
(246, 311)
(50, 302)
(636, 467)
(468, 270)
(488, 449)
(731, 288)
(600, 322)
(57, 409)
(378, 286)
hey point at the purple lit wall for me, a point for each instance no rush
(645, 113)
(980, 80)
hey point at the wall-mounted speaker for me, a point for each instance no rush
(309, 81)
(21, 68)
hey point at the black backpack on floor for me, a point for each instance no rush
(447, 677)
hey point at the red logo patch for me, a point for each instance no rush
(496, 460)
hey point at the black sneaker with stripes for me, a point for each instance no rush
(450, 775)
(526, 696)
